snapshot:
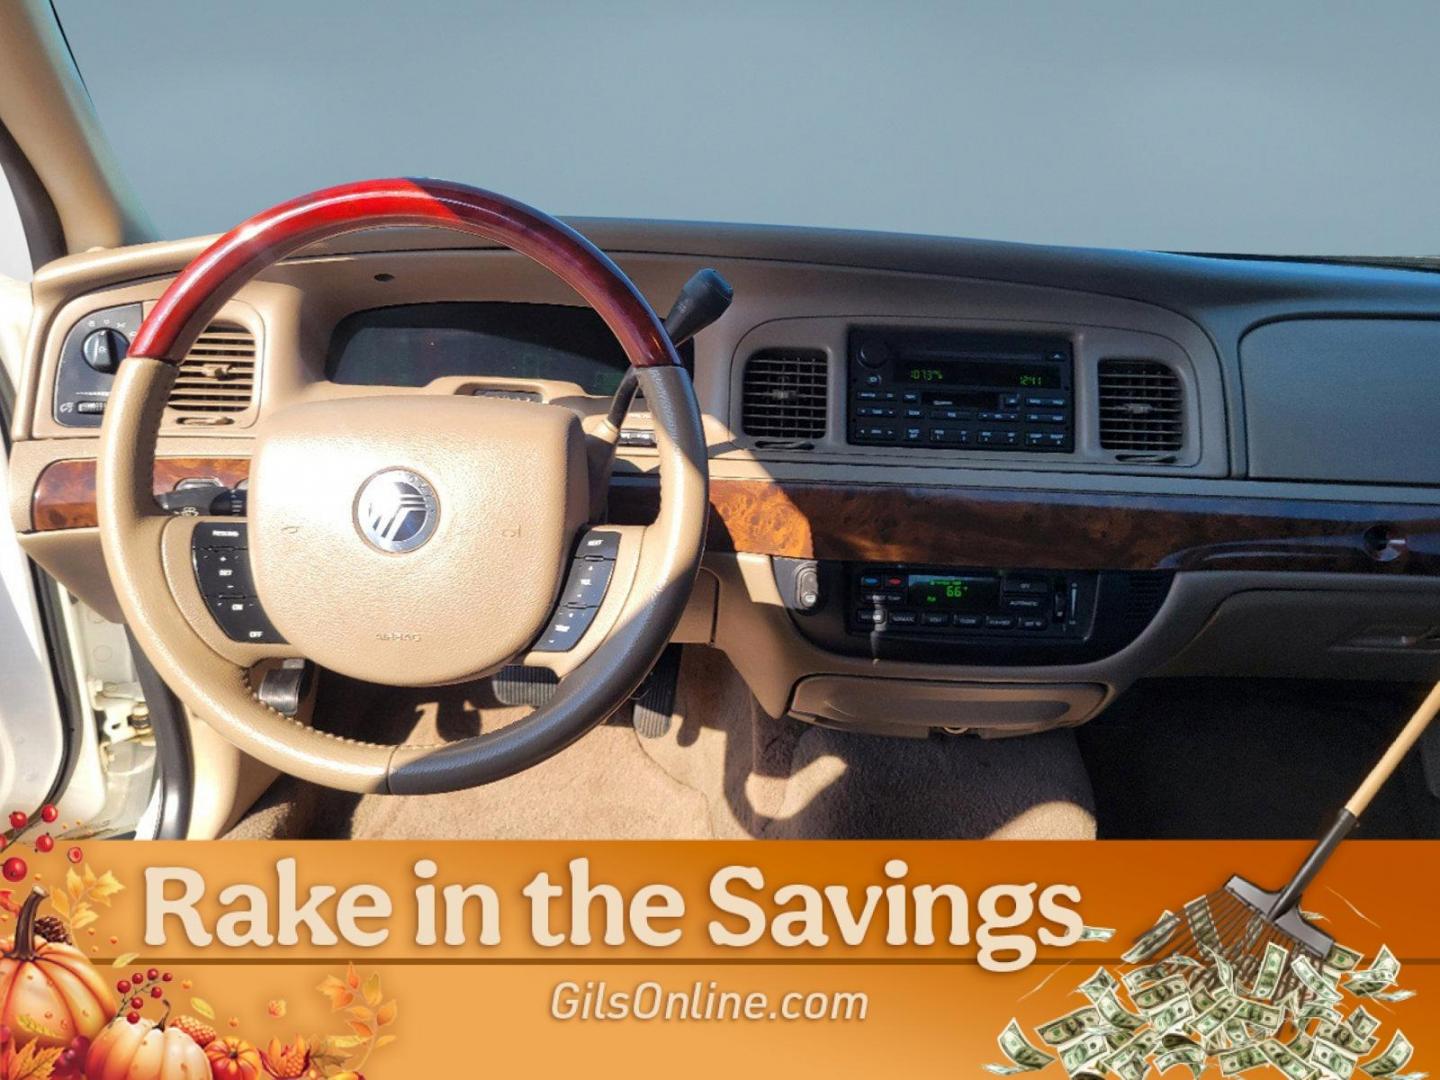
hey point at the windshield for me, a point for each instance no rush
(1265, 128)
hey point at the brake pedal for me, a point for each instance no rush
(518, 685)
(655, 700)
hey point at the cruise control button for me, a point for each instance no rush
(223, 572)
(209, 534)
(243, 619)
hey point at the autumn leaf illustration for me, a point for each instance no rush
(31, 1062)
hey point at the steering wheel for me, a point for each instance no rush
(499, 489)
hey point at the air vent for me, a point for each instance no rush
(218, 373)
(785, 394)
(1141, 407)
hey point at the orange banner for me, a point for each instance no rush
(851, 959)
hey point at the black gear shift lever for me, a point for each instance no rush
(702, 300)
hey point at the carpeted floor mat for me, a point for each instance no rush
(1251, 759)
(722, 770)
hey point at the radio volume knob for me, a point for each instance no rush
(873, 354)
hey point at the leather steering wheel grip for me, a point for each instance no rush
(131, 526)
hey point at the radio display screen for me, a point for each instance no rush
(980, 373)
(954, 592)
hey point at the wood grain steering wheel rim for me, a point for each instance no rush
(132, 527)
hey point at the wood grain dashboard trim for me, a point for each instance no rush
(65, 492)
(981, 527)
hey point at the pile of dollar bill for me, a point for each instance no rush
(1180, 1010)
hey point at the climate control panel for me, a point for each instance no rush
(951, 603)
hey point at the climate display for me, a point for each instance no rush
(942, 592)
(979, 373)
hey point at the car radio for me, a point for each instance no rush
(960, 391)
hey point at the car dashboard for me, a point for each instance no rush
(954, 484)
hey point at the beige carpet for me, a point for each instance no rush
(723, 770)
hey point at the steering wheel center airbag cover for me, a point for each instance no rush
(414, 540)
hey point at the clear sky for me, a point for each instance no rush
(1261, 125)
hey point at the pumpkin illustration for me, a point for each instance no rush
(50, 984)
(145, 1050)
(232, 1058)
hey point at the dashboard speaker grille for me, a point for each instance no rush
(786, 394)
(1141, 407)
(218, 373)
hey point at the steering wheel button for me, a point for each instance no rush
(565, 629)
(599, 545)
(223, 572)
(588, 581)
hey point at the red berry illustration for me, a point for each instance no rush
(137, 978)
(74, 854)
(152, 974)
(137, 1002)
(166, 977)
(123, 986)
(19, 819)
(15, 869)
(48, 813)
(44, 843)
(133, 1017)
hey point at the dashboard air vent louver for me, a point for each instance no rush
(785, 394)
(1141, 407)
(218, 373)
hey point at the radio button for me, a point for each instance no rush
(867, 395)
(913, 434)
(880, 433)
(1037, 402)
(883, 411)
(914, 413)
(911, 396)
(949, 436)
(999, 438)
(873, 379)
(1045, 418)
(1010, 401)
